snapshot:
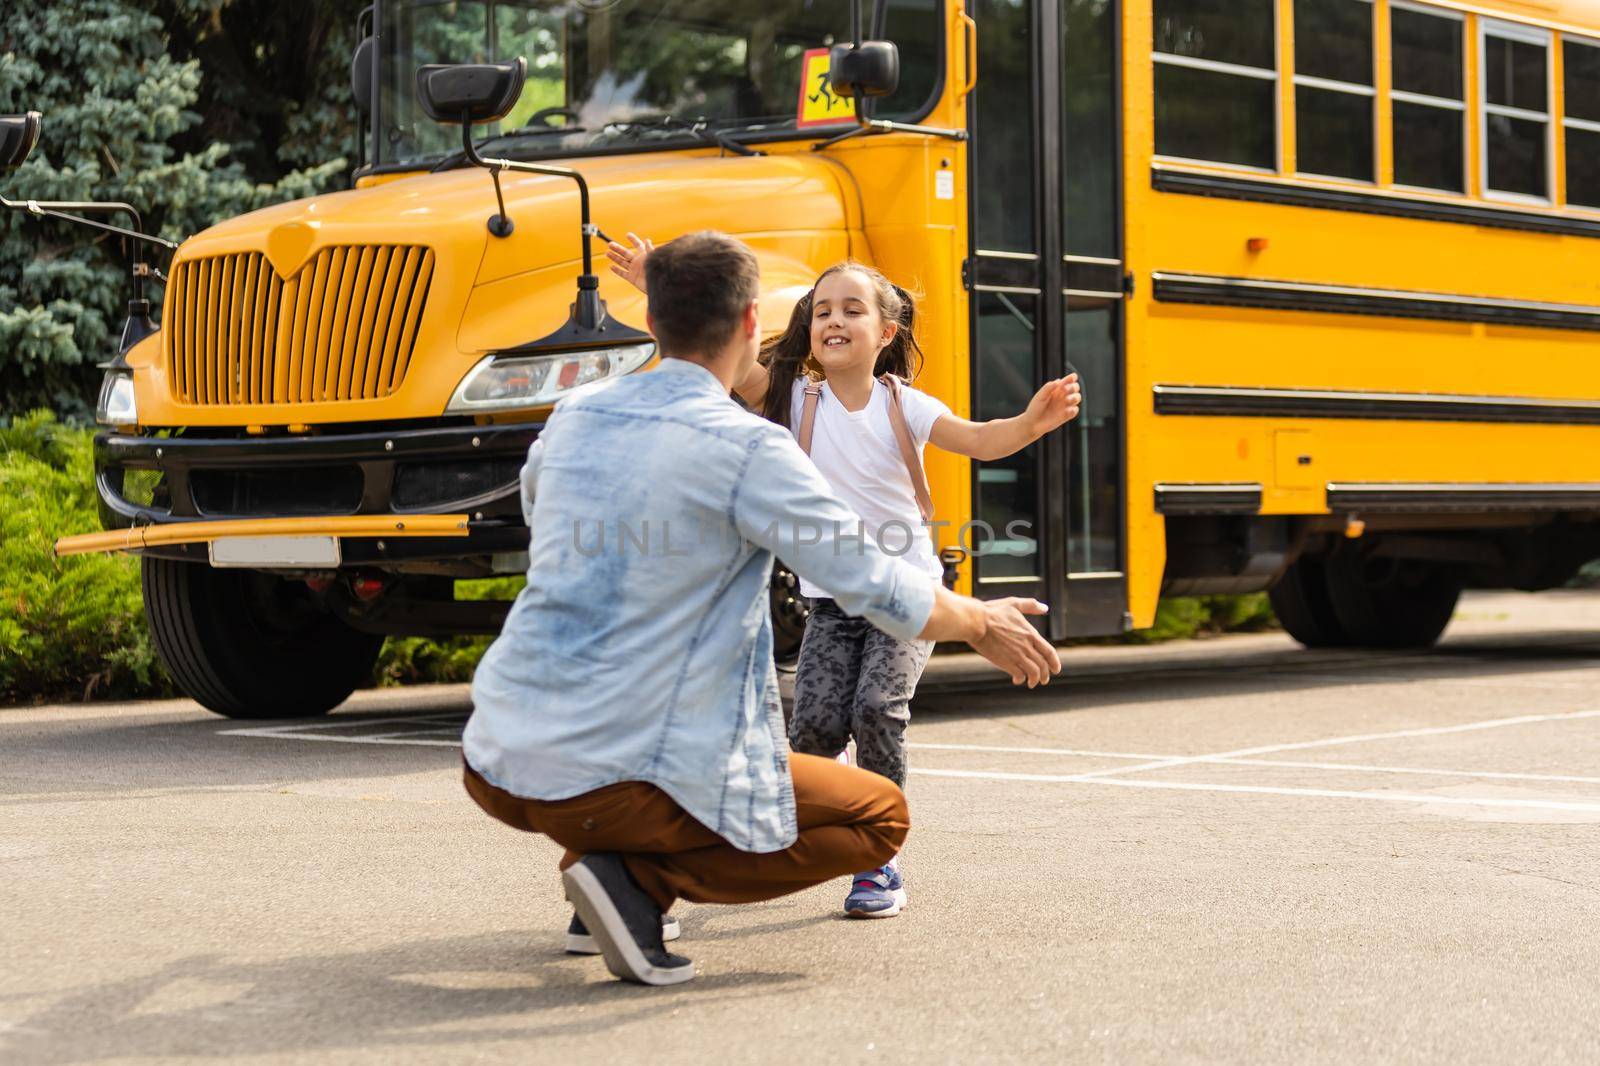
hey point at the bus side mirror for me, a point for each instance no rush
(361, 75)
(470, 92)
(871, 68)
(18, 135)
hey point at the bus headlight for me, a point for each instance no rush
(116, 406)
(509, 382)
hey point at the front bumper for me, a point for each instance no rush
(154, 480)
(414, 493)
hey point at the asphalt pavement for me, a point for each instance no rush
(1228, 851)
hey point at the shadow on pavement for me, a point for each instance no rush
(427, 993)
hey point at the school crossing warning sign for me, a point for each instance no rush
(819, 105)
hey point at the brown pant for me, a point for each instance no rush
(850, 820)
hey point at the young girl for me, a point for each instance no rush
(853, 680)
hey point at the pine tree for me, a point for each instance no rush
(119, 124)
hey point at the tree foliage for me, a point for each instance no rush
(123, 87)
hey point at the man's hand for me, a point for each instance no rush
(1054, 405)
(1012, 644)
(628, 263)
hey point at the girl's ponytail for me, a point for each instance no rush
(900, 307)
(785, 358)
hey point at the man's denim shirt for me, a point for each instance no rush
(641, 649)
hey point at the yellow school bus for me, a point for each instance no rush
(1327, 268)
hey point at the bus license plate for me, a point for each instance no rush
(318, 551)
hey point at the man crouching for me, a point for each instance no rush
(629, 710)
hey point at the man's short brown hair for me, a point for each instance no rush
(699, 287)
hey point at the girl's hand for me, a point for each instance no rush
(1054, 405)
(628, 263)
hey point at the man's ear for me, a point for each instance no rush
(649, 322)
(752, 318)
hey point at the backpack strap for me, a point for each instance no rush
(908, 448)
(808, 415)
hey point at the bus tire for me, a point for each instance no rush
(246, 644)
(1301, 602)
(789, 613)
(1390, 603)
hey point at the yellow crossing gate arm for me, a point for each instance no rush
(122, 540)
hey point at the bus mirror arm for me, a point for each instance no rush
(138, 325)
(589, 311)
(872, 126)
(21, 133)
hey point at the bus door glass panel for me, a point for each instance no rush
(1006, 263)
(1006, 544)
(1092, 275)
(1093, 341)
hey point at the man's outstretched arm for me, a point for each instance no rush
(997, 630)
(784, 504)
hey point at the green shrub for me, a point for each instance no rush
(416, 660)
(1183, 617)
(74, 628)
(71, 627)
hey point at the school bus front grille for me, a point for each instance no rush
(343, 328)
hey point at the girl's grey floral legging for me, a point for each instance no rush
(855, 680)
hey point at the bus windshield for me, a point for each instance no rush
(608, 75)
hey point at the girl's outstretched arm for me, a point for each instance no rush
(1053, 406)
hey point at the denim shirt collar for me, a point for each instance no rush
(691, 371)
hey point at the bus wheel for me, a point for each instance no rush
(246, 644)
(1301, 602)
(789, 613)
(1382, 602)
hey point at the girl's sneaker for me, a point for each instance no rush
(879, 893)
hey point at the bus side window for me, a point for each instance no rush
(1216, 79)
(1333, 90)
(1516, 104)
(1430, 100)
(1582, 78)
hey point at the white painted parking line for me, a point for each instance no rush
(1038, 751)
(325, 731)
(388, 739)
(1321, 793)
(1493, 775)
(1225, 760)
(1399, 734)
(432, 726)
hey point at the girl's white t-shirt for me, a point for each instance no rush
(858, 454)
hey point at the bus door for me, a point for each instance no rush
(1046, 276)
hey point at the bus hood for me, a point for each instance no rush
(793, 209)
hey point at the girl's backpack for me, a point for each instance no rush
(902, 434)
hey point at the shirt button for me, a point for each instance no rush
(588, 823)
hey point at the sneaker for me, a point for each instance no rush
(579, 942)
(624, 921)
(879, 893)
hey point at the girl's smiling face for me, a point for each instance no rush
(847, 328)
